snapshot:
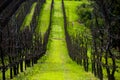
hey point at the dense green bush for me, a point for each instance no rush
(84, 12)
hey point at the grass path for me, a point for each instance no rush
(56, 64)
(44, 18)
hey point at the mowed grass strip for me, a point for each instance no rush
(44, 18)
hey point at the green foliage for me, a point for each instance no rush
(75, 28)
(84, 12)
(104, 27)
(28, 18)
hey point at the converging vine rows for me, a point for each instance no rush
(19, 49)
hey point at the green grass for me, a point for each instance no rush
(28, 18)
(44, 18)
(56, 64)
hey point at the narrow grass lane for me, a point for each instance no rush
(44, 18)
(56, 64)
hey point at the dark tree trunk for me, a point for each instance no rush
(2, 56)
(100, 73)
(94, 57)
(11, 76)
(3, 73)
(21, 66)
(111, 77)
(35, 60)
(28, 63)
(17, 68)
(32, 61)
(14, 70)
(11, 73)
(25, 65)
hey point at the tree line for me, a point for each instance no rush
(99, 49)
(19, 49)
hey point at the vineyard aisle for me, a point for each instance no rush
(56, 64)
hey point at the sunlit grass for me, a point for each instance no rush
(44, 18)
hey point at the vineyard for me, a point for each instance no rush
(59, 40)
